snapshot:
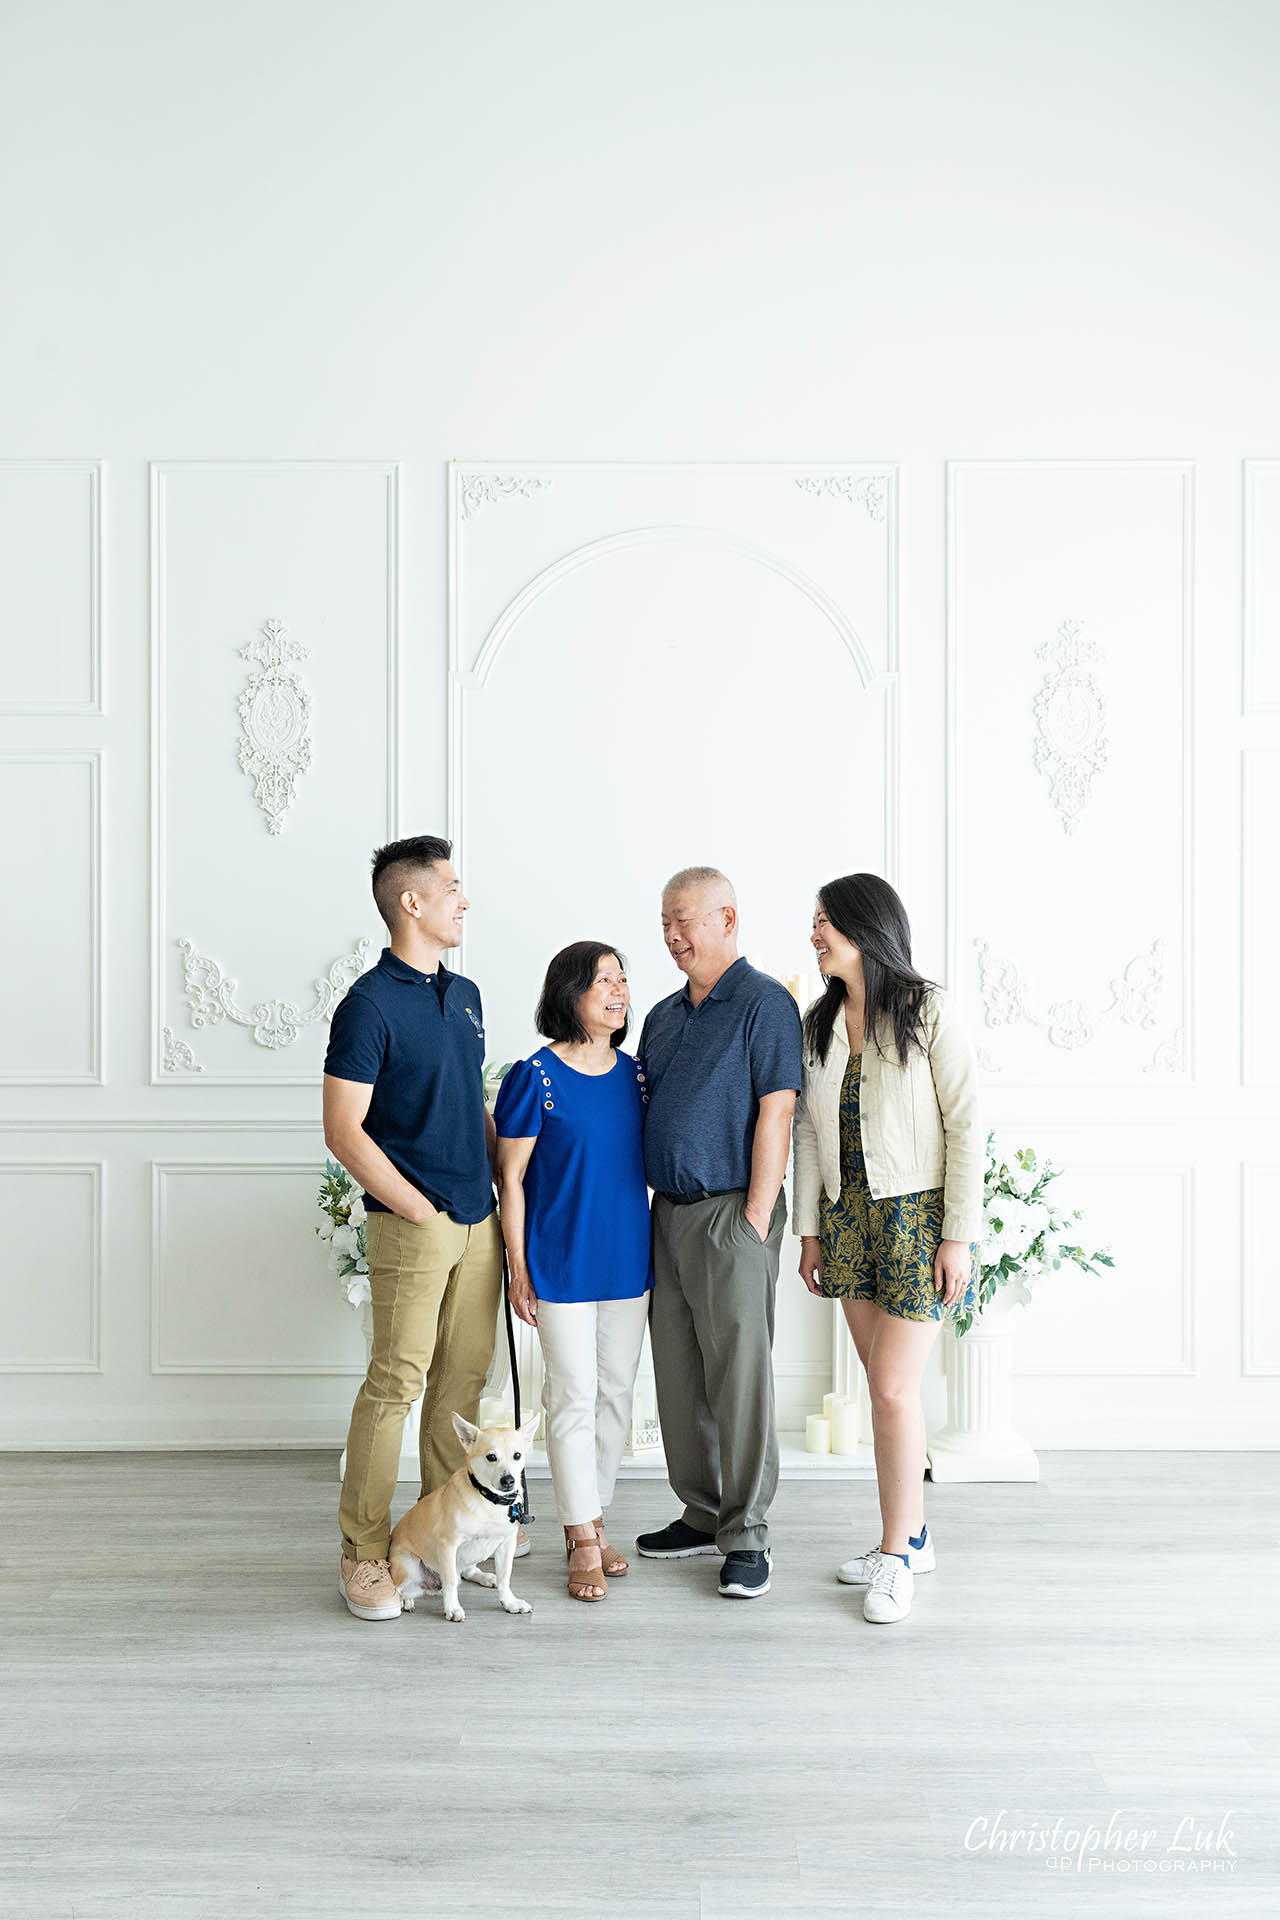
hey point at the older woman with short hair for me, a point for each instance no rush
(575, 1217)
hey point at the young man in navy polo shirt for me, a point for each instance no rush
(404, 1113)
(723, 1060)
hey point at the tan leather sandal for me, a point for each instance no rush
(618, 1567)
(583, 1579)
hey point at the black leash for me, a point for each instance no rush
(522, 1512)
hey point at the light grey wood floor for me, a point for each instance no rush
(194, 1728)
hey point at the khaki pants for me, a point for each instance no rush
(711, 1330)
(436, 1290)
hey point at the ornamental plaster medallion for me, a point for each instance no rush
(275, 711)
(1070, 721)
(178, 1057)
(482, 489)
(274, 1023)
(872, 490)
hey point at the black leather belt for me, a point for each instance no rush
(703, 1193)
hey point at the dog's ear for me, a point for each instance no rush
(529, 1428)
(465, 1431)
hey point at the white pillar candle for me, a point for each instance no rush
(844, 1427)
(831, 1401)
(817, 1434)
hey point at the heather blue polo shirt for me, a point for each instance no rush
(418, 1040)
(709, 1067)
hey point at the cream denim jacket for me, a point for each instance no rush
(920, 1123)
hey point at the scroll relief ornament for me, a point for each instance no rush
(482, 489)
(178, 1057)
(275, 711)
(1070, 722)
(872, 490)
(1135, 993)
(274, 1023)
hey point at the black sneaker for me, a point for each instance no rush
(676, 1542)
(745, 1575)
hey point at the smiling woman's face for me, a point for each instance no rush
(602, 1009)
(836, 955)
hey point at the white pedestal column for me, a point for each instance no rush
(979, 1441)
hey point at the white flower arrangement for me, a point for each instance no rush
(342, 1229)
(1026, 1234)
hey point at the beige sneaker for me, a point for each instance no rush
(369, 1590)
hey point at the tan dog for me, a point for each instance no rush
(472, 1516)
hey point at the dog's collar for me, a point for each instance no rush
(498, 1499)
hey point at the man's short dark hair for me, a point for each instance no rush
(399, 866)
(569, 975)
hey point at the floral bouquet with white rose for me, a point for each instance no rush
(1026, 1233)
(341, 1203)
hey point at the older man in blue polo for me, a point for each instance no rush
(723, 1063)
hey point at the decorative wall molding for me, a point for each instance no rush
(275, 710)
(1185, 1365)
(958, 827)
(483, 489)
(1260, 679)
(1071, 748)
(92, 909)
(694, 539)
(95, 1173)
(238, 1171)
(273, 1023)
(162, 473)
(177, 1056)
(1253, 1284)
(870, 490)
(1259, 914)
(1135, 993)
(95, 473)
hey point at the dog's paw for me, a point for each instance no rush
(454, 1613)
(512, 1605)
(480, 1578)
(406, 1603)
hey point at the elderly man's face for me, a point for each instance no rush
(696, 932)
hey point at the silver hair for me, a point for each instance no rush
(699, 877)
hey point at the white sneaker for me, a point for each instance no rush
(889, 1594)
(858, 1571)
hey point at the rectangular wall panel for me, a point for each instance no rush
(1260, 1318)
(1136, 1318)
(1262, 586)
(51, 886)
(239, 1283)
(51, 586)
(1260, 928)
(596, 606)
(1069, 843)
(52, 1306)
(275, 608)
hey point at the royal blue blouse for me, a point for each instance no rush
(586, 1224)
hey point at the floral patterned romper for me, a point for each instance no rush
(881, 1250)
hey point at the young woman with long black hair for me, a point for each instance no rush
(889, 1155)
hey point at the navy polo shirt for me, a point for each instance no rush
(418, 1040)
(709, 1067)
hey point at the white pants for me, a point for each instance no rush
(590, 1352)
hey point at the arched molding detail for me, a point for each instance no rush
(692, 539)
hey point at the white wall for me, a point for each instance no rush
(266, 279)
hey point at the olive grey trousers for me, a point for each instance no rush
(711, 1330)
